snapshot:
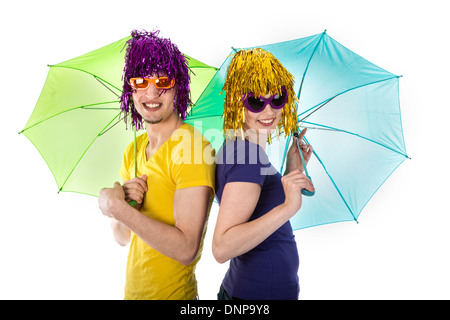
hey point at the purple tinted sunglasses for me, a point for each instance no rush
(256, 105)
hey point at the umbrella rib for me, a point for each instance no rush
(87, 107)
(203, 117)
(82, 155)
(334, 184)
(329, 176)
(110, 127)
(309, 61)
(323, 103)
(81, 70)
(323, 127)
(103, 84)
(204, 67)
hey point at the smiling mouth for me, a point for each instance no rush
(266, 122)
(152, 105)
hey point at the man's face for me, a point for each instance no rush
(154, 105)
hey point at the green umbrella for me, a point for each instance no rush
(76, 124)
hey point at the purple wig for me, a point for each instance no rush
(147, 54)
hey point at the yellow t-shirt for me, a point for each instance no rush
(185, 160)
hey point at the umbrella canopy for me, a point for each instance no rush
(76, 123)
(351, 109)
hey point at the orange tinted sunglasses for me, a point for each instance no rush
(160, 83)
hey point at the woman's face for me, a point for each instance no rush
(264, 122)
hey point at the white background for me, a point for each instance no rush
(59, 246)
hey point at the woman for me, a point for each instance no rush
(256, 203)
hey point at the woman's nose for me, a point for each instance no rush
(268, 110)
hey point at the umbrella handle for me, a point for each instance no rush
(307, 192)
(133, 203)
(304, 191)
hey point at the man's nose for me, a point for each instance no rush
(152, 91)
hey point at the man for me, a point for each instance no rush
(174, 193)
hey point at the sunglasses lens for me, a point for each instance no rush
(255, 103)
(139, 83)
(278, 100)
(163, 83)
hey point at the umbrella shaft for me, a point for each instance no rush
(303, 160)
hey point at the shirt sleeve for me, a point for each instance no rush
(127, 162)
(249, 165)
(194, 170)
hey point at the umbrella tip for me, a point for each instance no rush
(325, 31)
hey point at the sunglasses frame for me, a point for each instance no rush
(152, 81)
(269, 100)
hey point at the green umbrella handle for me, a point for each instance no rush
(133, 203)
(304, 191)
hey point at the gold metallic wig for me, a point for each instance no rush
(257, 71)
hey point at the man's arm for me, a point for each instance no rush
(120, 233)
(180, 242)
(134, 190)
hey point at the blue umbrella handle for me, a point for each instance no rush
(304, 191)
(307, 192)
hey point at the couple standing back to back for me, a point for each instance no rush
(166, 228)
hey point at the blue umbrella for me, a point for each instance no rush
(351, 109)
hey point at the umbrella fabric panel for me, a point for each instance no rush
(371, 112)
(61, 93)
(207, 113)
(347, 172)
(64, 139)
(322, 208)
(295, 55)
(334, 70)
(202, 76)
(210, 102)
(102, 160)
(65, 123)
(105, 63)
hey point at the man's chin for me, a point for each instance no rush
(152, 121)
